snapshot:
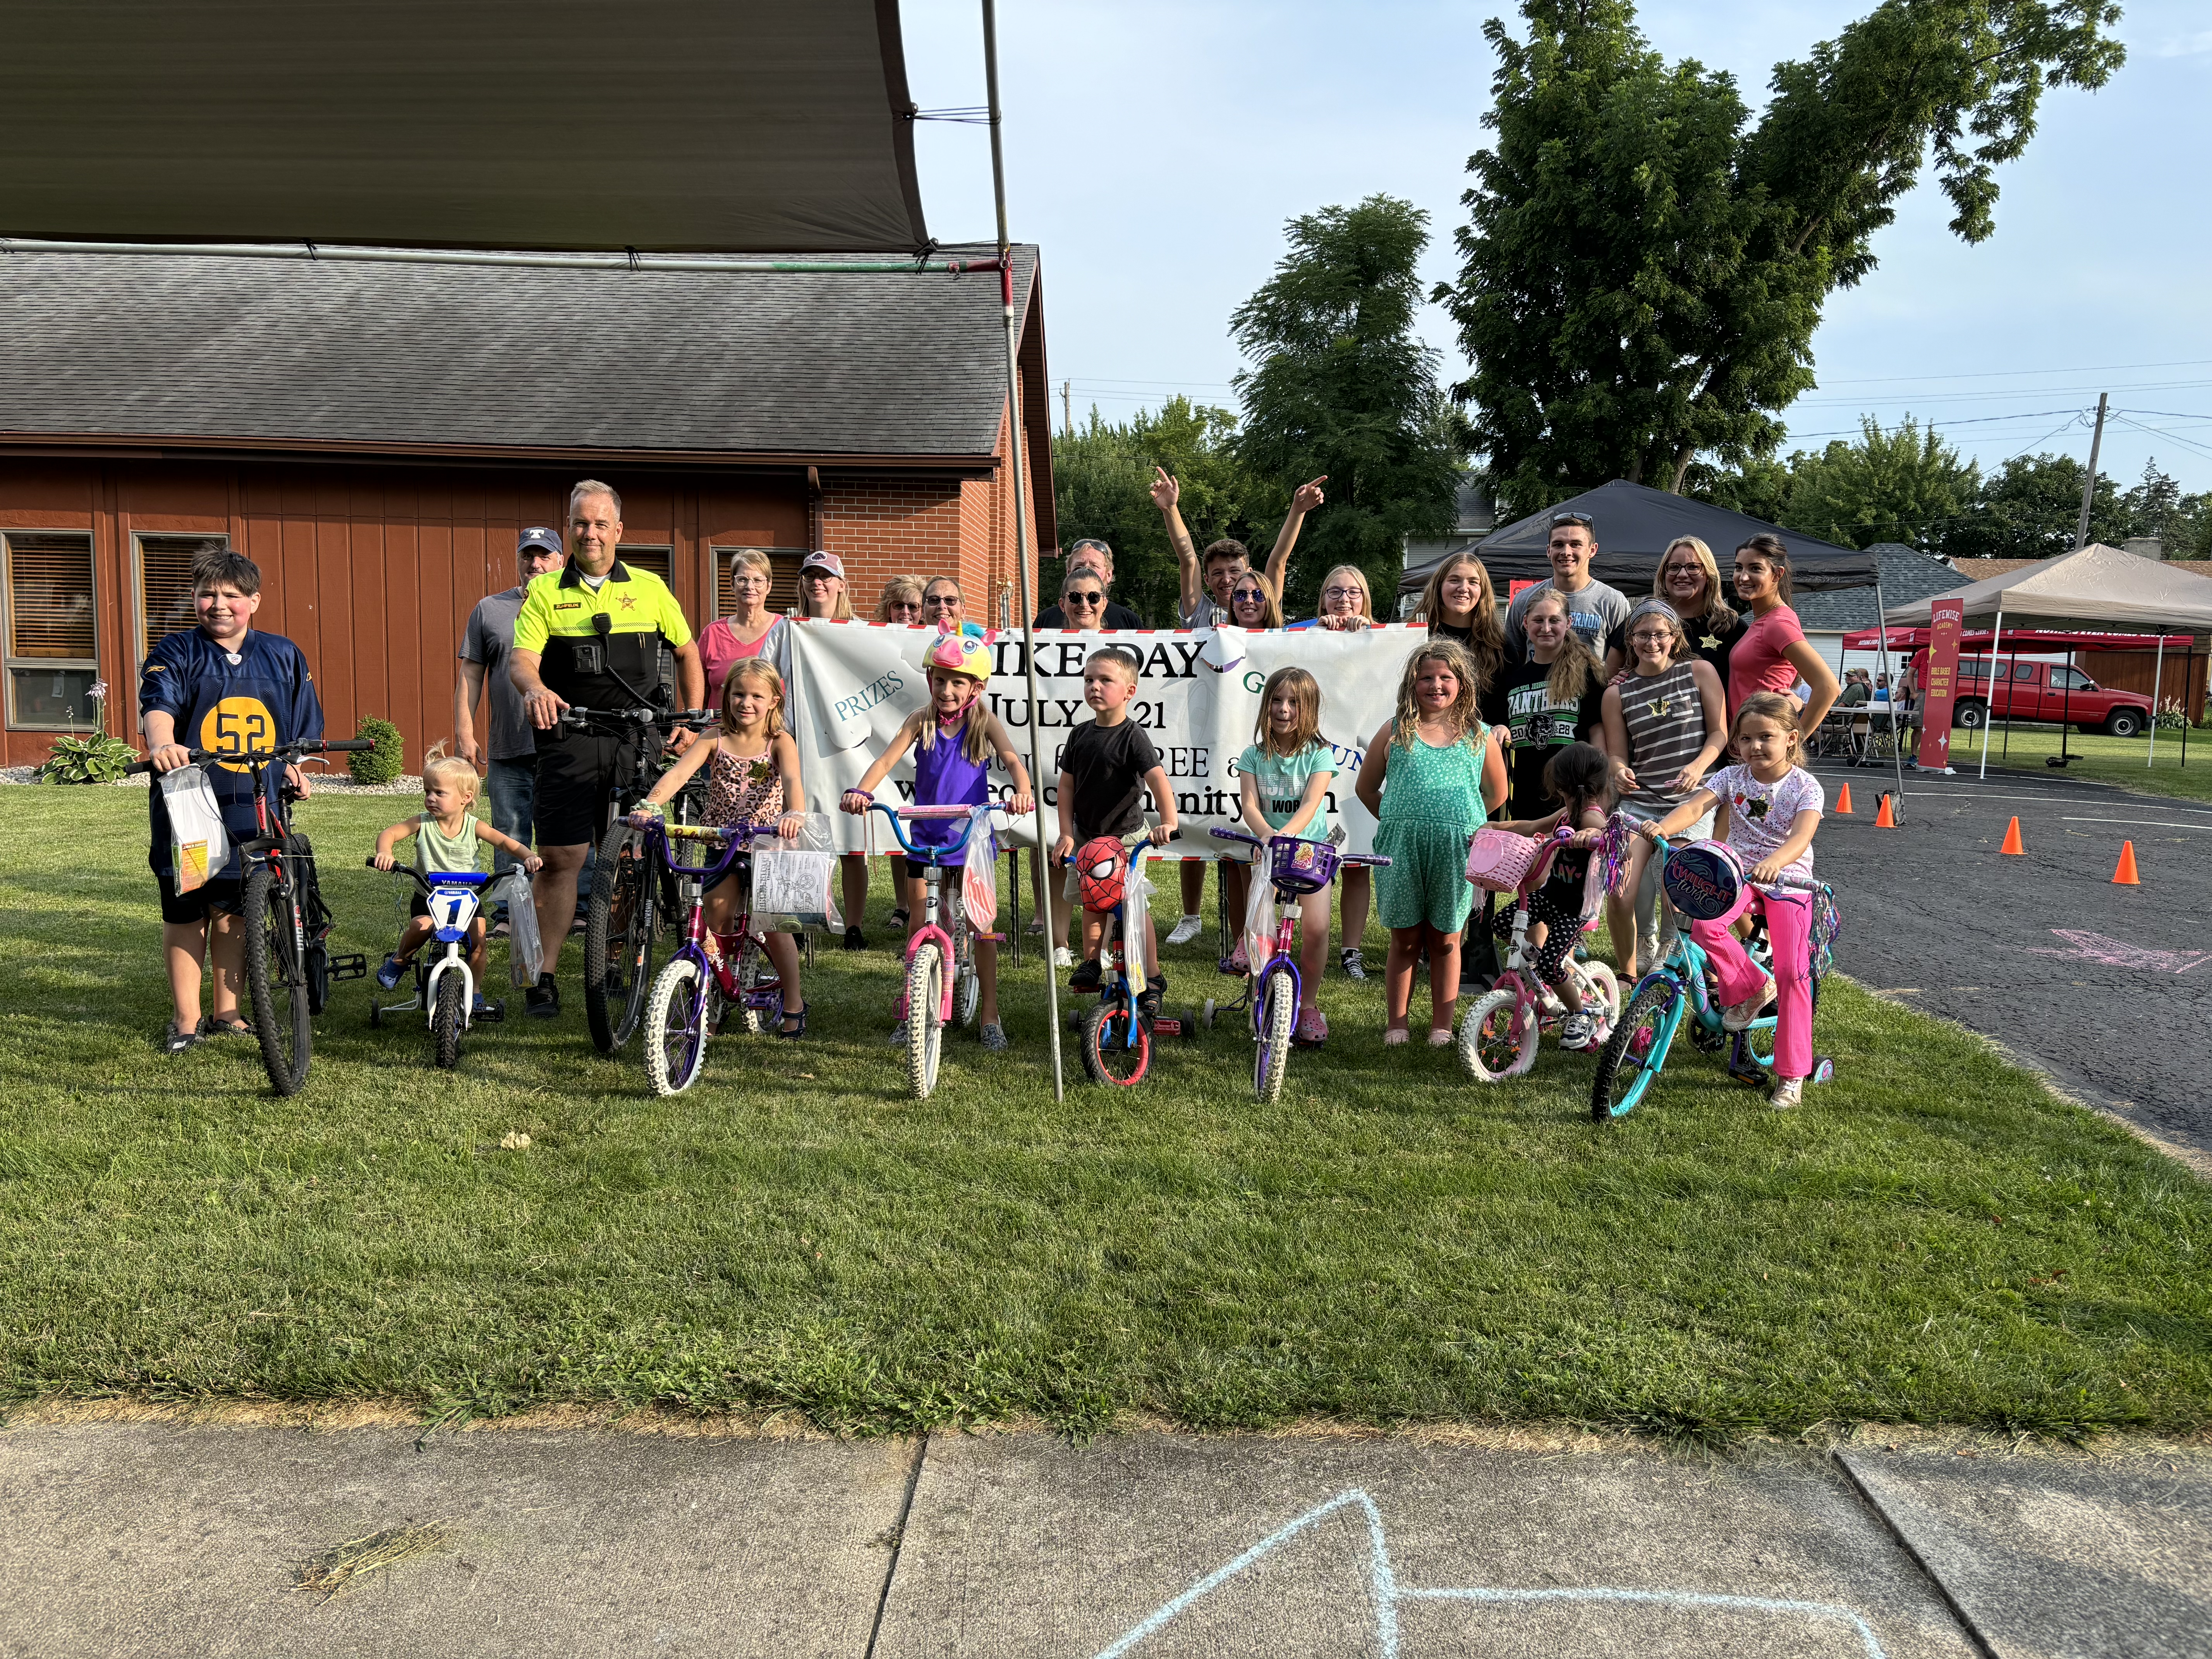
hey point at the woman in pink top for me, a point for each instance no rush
(748, 631)
(1772, 653)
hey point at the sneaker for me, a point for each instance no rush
(389, 976)
(1578, 1030)
(543, 1000)
(1236, 963)
(1787, 1092)
(1062, 957)
(1353, 961)
(994, 1038)
(1087, 977)
(899, 919)
(1311, 1030)
(176, 1040)
(1036, 927)
(855, 939)
(898, 1034)
(1148, 999)
(1186, 929)
(1740, 1015)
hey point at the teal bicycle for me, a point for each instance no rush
(1682, 991)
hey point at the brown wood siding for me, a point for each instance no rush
(2139, 670)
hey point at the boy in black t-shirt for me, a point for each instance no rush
(1105, 770)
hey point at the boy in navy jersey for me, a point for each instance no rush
(219, 687)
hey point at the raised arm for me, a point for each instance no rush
(1167, 493)
(1304, 500)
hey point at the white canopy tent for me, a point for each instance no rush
(2095, 590)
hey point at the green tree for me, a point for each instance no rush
(2029, 510)
(1341, 388)
(1644, 270)
(1906, 486)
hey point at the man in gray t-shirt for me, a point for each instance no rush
(510, 756)
(1594, 611)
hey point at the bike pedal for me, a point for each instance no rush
(494, 1011)
(352, 966)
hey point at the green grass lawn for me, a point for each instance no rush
(1932, 1238)
(2127, 762)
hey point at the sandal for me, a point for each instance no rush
(211, 1027)
(1442, 1037)
(1395, 1035)
(176, 1039)
(783, 1029)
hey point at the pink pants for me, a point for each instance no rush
(1790, 931)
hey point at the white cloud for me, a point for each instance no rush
(2187, 45)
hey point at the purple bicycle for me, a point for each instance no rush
(704, 977)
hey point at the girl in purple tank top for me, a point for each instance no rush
(954, 739)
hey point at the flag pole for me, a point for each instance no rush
(1021, 524)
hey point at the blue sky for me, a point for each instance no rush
(1155, 151)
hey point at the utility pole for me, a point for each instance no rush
(1067, 407)
(2089, 490)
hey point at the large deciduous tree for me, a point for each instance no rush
(1644, 269)
(1340, 386)
(1905, 485)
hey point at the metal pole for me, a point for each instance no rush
(2089, 490)
(1896, 740)
(2012, 679)
(2066, 711)
(1021, 510)
(1997, 644)
(2157, 678)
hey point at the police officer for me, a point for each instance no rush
(589, 635)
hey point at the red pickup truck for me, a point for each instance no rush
(2040, 691)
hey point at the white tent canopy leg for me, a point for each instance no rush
(1996, 645)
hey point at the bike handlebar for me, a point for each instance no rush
(1802, 884)
(926, 854)
(696, 718)
(725, 833)
(1377, 859)
(284, 751)
(453, 877)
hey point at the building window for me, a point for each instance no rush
(53, 644)
(165, 584)
(661, 560)
(782, 582)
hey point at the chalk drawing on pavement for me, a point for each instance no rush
(1385, 1593)
(2117, 953)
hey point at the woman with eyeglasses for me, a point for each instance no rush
(749, 630)
(901, 603)
(1688, 582)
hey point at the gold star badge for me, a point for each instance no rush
(627, 603)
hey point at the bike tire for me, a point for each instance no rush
(967, 996)
(924, 1017)
(752, 961)
(1107, 1054)
(448, 1020)
(1636, 1052)
(675, 1028)
(276, 980)
(1498, 1038)
(1600, 977)
(1272, 1055)
(618, 960)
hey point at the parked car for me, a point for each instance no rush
(2040, 691)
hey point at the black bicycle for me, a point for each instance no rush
(631, 894)
(289, 965)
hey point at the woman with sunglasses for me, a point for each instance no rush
(1252, 602)
(901, 603)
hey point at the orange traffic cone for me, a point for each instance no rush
(2126, 875)
(1882, 820)
(1844, 799)
(2012, 839)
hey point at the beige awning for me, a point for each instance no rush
(2098, 589)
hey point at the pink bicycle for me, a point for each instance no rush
(1498, 1036)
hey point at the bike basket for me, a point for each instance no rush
(1706, 881)
(1301, 867)
(1499, 860)
(1101, 865)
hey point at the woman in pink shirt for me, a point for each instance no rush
(749, 630)
(1772, 653)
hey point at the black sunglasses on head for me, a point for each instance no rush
(1582, 518)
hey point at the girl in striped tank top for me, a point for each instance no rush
(1666, 725)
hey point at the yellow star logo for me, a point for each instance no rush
(627, 603)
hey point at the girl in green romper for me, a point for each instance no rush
(1430, 776)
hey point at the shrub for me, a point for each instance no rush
(98, 759)
(382, 763)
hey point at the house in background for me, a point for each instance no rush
(1476, 518)
(1907, 574)
(376, 435)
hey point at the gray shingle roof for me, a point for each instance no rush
(264, 350)
(1907, 574)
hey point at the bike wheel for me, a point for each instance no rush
(1117, 1044)
(675, 1028)
(1599, 976)
(448, 1020)
(924, 1017)
(1498, 1038)
(752, 968)
(618, 939)
(967, 995)
(1634, 1054)
(1272, 1058)
(276, 979)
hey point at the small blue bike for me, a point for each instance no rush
(445, 988)
(1680, 990)
(1295, 868)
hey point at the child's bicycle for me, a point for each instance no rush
(445, 986)
(690, 995)
(1295, 868)
(289, 964)
(942, 984)
(1680, 990)
(1498, 1036)
(1117, 1035)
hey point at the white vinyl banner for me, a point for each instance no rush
(1197, 695)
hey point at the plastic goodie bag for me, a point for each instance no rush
(795, 880)
(199, 844)
(524, 955)
(1259, 915)
(979, 875)
(1136, 905)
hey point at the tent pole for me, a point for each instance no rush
(1018, 475)
(2066, 711)
(1896, 690)
(2157, 679)
(2012, 679)
(1997, 644)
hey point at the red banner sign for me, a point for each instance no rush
(1947, 621)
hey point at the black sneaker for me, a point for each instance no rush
(543, 1000)
(1086, 978)
(176, 1040)
(1148, 999)
(1353, 961)
(855, 939)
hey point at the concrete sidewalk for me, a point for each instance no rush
(167, 1538)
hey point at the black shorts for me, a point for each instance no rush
(185, 908)
(576, 780)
